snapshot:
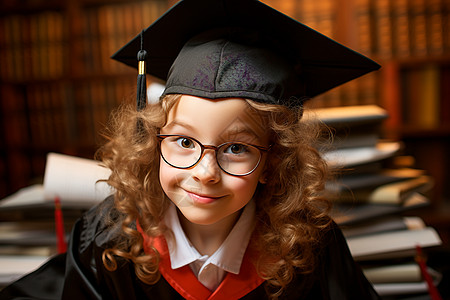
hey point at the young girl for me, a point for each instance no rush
(218, 185)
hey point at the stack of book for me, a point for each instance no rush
(374, 188)
(30, 228)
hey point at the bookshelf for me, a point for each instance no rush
(58, 84)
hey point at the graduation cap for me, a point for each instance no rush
(240, 48)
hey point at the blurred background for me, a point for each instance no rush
(58, 84)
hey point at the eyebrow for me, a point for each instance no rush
(235, 131)
(181, 124)
(243, 133)
(227, 135)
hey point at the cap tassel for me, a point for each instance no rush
(141, 99)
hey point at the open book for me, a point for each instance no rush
(74, 180)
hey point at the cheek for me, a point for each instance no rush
(167, 176)
(171, 180)
(242, 187)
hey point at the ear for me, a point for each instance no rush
(264, 174)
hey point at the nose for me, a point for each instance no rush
(207, 169)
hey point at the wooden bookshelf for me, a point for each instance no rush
(58, 84)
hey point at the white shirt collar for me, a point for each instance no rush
(229, 255)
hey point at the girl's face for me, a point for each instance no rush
(204, 193)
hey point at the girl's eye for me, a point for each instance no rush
(185, 143)
(236, 149)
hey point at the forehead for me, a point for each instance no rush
(225, 119)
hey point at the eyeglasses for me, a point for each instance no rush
(234, 158)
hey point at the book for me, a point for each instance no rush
(401, 28)
(383, 21)
(30, 233)
(19, 250)
(403, 289)
(396, 193)
(445, 96)
(15, 266)
(347, 115)
(418, 27)
(352, 157)
(382, 245)
(370, 179)
(429, 104)
(74, 180)
(402, 279)
(436, 21)
(364, 28)
(393, 193)
(33, 194)
(351, 214)
(391, 95)
(383, 224)
(411, 94)
(407, 272)
(344, 140)
(352, 126)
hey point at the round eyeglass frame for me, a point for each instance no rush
(161, 137)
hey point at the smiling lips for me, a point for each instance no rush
(201, 199)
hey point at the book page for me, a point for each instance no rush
(75, 180)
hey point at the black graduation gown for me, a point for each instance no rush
(80, 274)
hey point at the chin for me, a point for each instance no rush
(200, 220)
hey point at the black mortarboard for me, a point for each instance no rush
(244, 49)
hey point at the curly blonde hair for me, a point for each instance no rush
(291, 212)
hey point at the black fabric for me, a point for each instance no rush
(220, 68)
(317, 62)
(79, 274)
